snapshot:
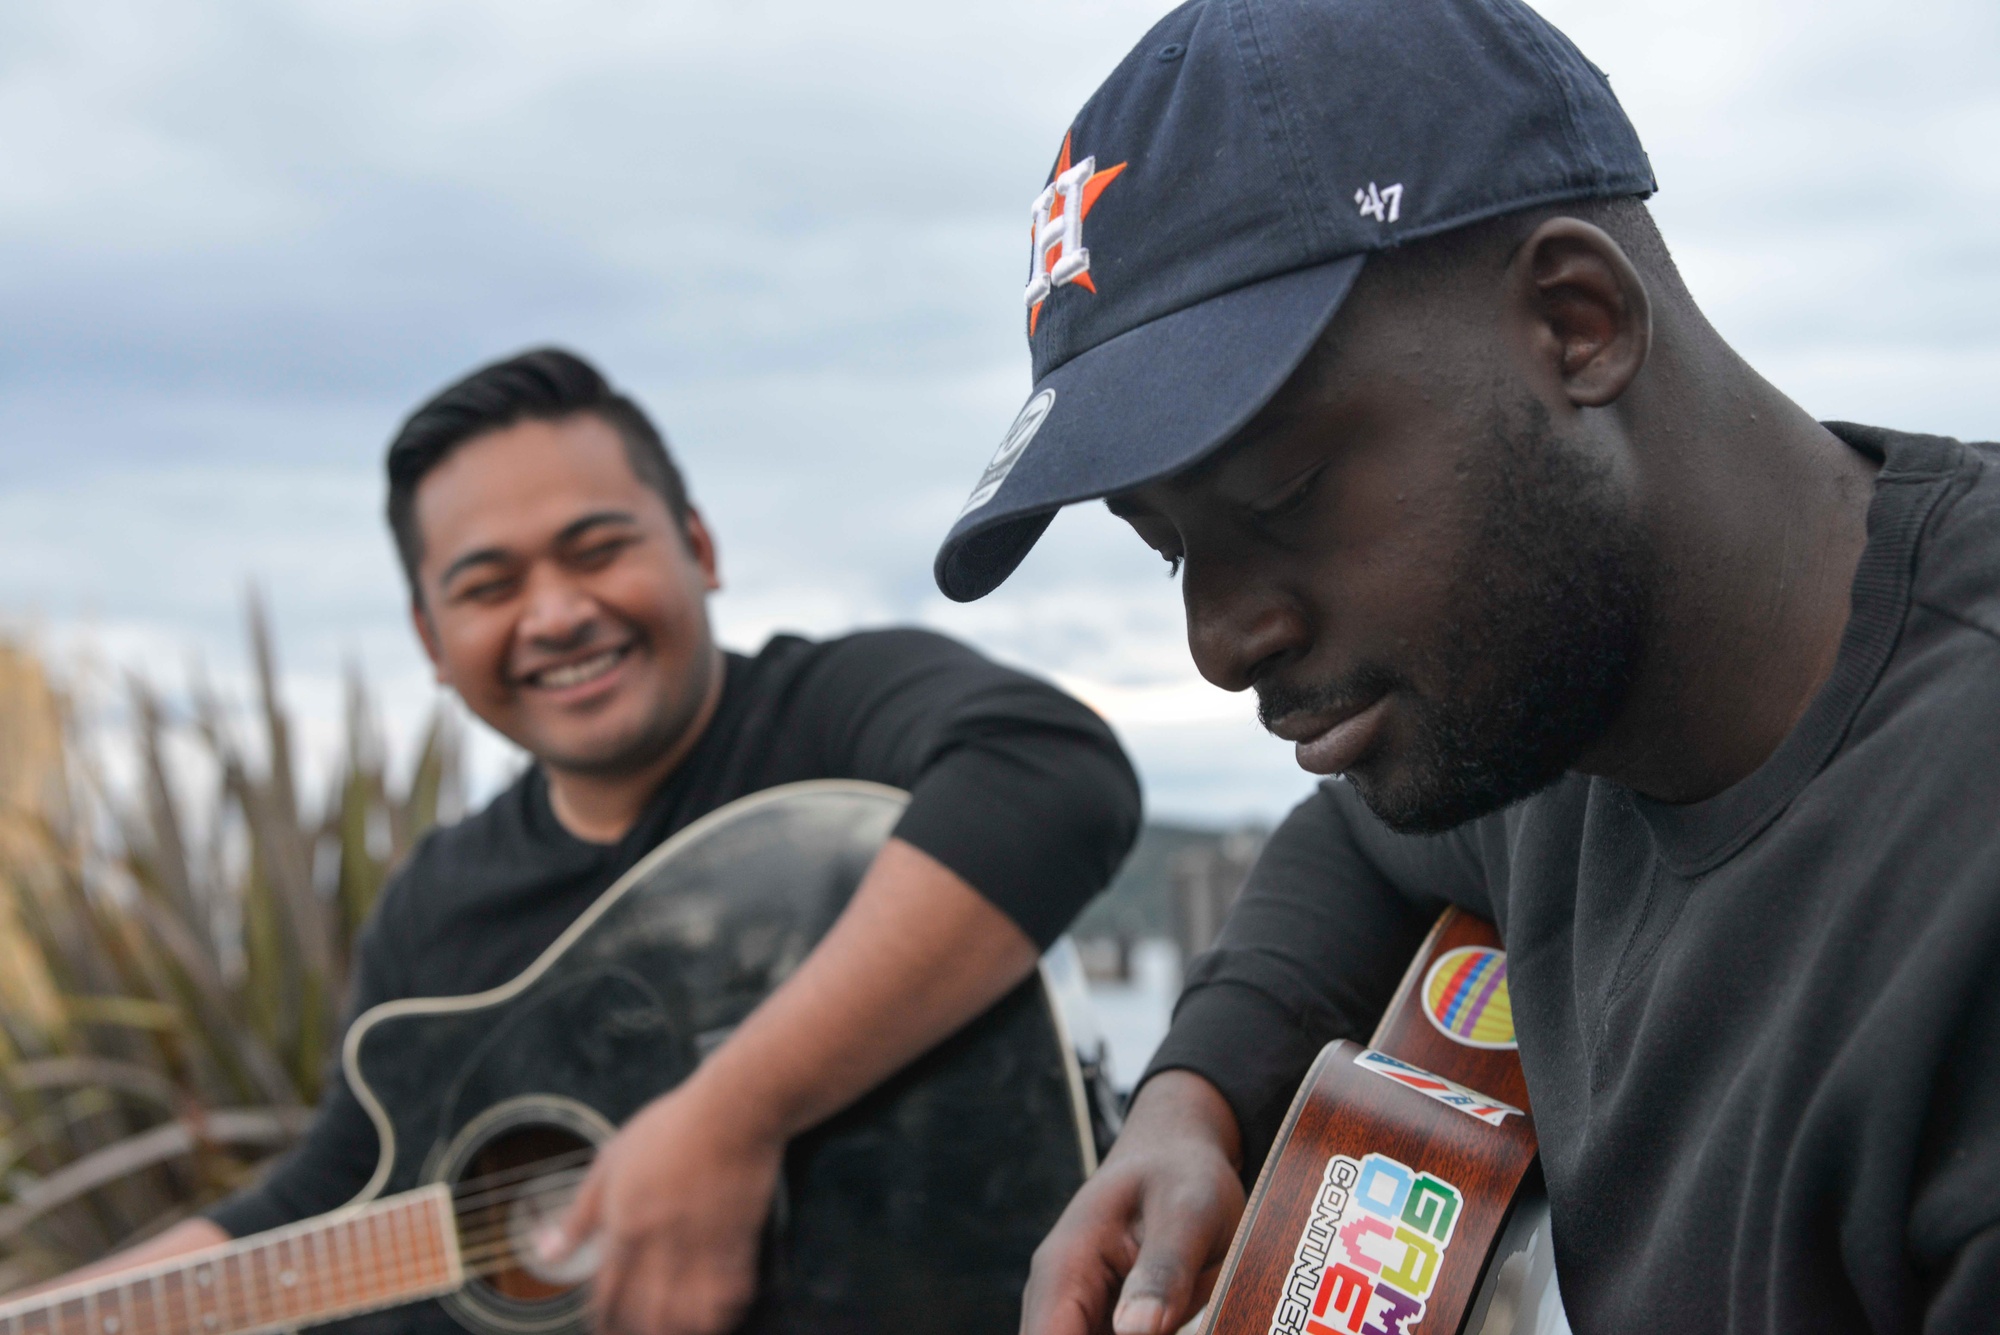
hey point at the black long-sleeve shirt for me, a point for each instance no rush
(1020, 790)
(1761, 1032)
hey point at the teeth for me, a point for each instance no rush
(575, 674)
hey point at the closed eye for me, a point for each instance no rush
(1152, 530)
(486, 590)
(1287, 498)
(600, 554)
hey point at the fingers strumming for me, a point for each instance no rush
(1159, 1293)
(1078, 1267)
(606, 1291)
(581, 1219)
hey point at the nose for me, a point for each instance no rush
(558, 614)
(1239, 627)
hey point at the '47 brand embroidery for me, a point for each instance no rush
(1057, 229)
(1382, 203)
(1371, 1252)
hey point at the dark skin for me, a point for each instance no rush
(1320, 539)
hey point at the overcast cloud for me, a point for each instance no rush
(237, 242)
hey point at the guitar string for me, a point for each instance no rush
(487, 1247)
(486, 1243)
(553, 1163)
(489, 1225)
(539, 1185)
(486, 1252)
(497, 1234)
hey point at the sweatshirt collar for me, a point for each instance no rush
(1696, 837)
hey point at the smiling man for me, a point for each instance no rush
(1353, 310)
(559, 578)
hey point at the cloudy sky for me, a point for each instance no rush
(238, 241)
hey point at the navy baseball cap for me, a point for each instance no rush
(1215, 199)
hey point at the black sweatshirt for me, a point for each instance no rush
(1762, 1031)
(1020, 790)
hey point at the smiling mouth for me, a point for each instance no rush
(579, 673)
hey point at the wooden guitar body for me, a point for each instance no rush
(1402, 1195)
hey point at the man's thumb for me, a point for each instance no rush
(1155, 1297)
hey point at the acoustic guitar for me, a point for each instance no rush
(1402, 1196)
(915, 1210)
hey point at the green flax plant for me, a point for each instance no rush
(174, 944)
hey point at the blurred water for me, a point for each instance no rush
(1132, 1016)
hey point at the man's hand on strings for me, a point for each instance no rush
(1138, 1249)
(676, 1204)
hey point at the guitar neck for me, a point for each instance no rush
(384, 1254)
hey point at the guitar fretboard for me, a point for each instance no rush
(393, 1251)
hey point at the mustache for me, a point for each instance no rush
(1278, 700)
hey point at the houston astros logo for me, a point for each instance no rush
(1465, 996)
(1059, 255)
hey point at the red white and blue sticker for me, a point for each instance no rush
(1465, 996)
(1371, 1252)
(1448, 1092)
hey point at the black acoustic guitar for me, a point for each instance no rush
(915, 1210)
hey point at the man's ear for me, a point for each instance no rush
(1590, 319)
(427, 636)
(701, 545)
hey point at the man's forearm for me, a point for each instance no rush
(916, 954)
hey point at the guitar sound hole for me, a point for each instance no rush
(513, 1186)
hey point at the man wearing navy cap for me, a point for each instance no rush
(1353, 310)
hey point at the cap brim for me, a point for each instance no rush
(1142, 406)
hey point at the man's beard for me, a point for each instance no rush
(1546, 621)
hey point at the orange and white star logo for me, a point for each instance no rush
(1059, 254)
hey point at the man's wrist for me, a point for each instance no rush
(739, 1102)
(1180, 1105)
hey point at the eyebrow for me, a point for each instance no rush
(571, 531)
(484, 556)
(576, 528)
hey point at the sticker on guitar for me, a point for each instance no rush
(1370, 1253)
(1448, 1092)
(1465, 998)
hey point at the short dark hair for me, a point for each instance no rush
(541, 385)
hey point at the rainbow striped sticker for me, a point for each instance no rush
(1465, 996)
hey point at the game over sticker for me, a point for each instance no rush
(1371, 1252)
